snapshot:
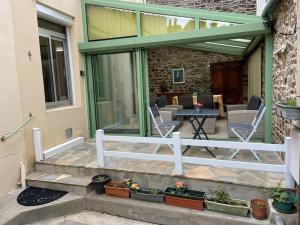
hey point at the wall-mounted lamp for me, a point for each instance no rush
(82, 73)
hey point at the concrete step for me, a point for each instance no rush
(11, 213)
(163, 214)
(161, 181)
(80, 185)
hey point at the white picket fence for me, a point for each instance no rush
(176, 141)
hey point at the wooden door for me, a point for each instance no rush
(227, 80)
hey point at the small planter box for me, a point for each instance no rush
(189, 199)
(118, 189)
(145, 195)
(288, 112)
(239, 207)
(99, 184)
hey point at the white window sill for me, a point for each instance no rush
(63, 108)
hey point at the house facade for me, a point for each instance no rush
(45, 74)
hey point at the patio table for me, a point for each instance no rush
(199, 117)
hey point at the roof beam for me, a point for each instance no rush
(177, 11)
(253, 45)
(213, 34)
(209, 48)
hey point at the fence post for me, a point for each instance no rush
(177, 152)
(37, 142)
(289, 181)
(100, 148)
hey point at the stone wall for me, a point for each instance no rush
(238, 6)
(284, 64)
(196, 64)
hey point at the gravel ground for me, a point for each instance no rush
(90, 218)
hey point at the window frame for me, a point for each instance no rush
(52, 35)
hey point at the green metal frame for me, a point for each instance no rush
(248, 26)
(177, 11)
(214, 34)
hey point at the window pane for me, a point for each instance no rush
(153, 24)
(214, 24)
(47, 69)
(115, 92)
(59, 66)
(51, 26)
(106, 23)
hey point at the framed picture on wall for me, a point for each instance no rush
(178, 76)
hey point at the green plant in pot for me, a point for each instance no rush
(288, 109)
(284, 200)
(146, 194)
(221, 201)
(259, 209)
(181, 196)
(99, 181)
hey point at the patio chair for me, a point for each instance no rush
(164, 128)
(244, 113)
(245, 131)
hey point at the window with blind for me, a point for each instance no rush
(108, 23)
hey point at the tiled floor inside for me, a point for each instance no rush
(84, 155)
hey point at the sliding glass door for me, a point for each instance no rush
(116, 100)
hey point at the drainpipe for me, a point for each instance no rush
(271, 4)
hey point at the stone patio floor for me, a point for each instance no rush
(84, 155)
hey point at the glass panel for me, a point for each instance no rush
(59, 66)
(106, 23)
(153, 24)
(47, 69)
(213, 24)
(115, 91)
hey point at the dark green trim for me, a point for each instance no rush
(178, 11)
(268, 87)
(90, 98)
(215, 34)
(84, 21)
(139, 71)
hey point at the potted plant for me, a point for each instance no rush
(181, 196)
(146, 194)
(119, 189)
(221, 201)
(259, 209)
(99, 181)
(289, 109)
(284, 200)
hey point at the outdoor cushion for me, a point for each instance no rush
(186, 101)
(254, 103)
(161, 101)
(206, 99)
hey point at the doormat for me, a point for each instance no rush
(32, 196)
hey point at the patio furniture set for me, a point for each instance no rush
(244, 121)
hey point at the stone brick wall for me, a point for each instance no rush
(238, 6)
(284, 64)
(161, 61)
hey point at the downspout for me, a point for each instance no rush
(271, 4)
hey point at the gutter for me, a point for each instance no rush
(270, 6)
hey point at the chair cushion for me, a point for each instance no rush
(186, 101)
(254, 103)
(206, 99)
(240, 126)
(173, 123)
(161, 101)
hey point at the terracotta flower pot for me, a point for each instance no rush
(118, 189)
(259, 209)
(190, 199)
